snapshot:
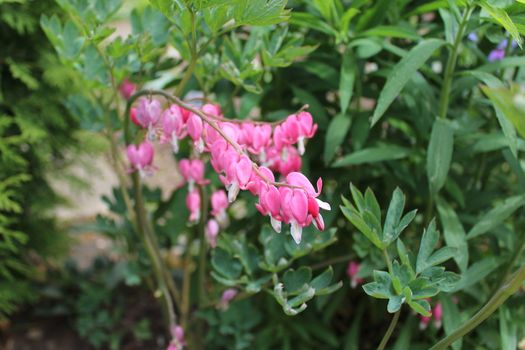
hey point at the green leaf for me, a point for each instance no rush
(260, 12)
(508, 329)
(330, 289)
(394, 304)
(274, 247)
(373, 155)
(428, 242)
(307, 20)
(225, 264)
(295, 280)
(506, 101)
(441, 256)
(347, 79)
(404, 254)
(356, 219)
(506, 126)
(454, 233)
(301, 299)
(477, 272)
(401, 276)
(393, 216)
(351, 341)
(323, 280)
(439, 155)
(496, 216)
(422, 307)
(372, 205)
(202, 4)
(72, 40)
(335, 135)
(366, 47)
(358, 198)
(402, 72)
(502, 17)
(392, 32)
(451, 318)
(381, 288)
(448, 282)
(23, 73)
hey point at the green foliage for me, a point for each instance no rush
(237, 263)
(355, 63)
(410, 279)
(35, 129)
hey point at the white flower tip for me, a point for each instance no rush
(323, 205)
(297, 232)
(276, 224)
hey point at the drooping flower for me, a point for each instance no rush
(195, 128)
(177, 338)
(193, 203)
(436, 316)
(192, 170)
(227, 296)
(352, 271)
(148, 115)
(127, 89)
(173, 126)
(211, 232)
(212, 109)
(141, 157)
(219, 204)
(133, 116)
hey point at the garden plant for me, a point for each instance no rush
(346, 174)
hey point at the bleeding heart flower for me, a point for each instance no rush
(148, 115)
(133, 116)
(352, 271)
(192, 170)
(127, 89)
(227, 296)
(141, 157)
(212, 109)
(211, 232)
(173, 126)
(219, 204)
(195, 129)
(177, 338)
(193, 203)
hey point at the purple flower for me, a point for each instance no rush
(496, 55)
(473, 37)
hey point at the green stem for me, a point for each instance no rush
(202, 249)
(515, 256)
(154, 257)
(336, 260)
(451, 64)
(503, 293)
(389, 331)
(186, 77)
(387, 260)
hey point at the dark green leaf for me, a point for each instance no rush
(439, 154)
(402, 72)
(335, 135)
(373, 155)
(496, 216)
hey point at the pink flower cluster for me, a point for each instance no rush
(246, 155)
